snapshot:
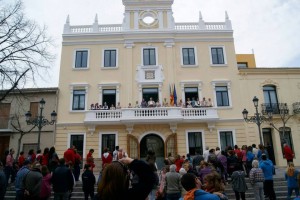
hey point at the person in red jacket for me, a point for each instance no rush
(21, 159)
(69, 156)
(90, 159)
(288, 153)
(106, 157)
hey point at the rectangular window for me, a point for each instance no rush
(222, 96)
(149, 57)
(78, 100)
(110, 57)
(109, 97)
(108, 141)
(188, 56)
(4, 115)
(270, 97)
(150, 92)
(34, 109)
(242, 65)
(217, 55)
(195, 143)
(226, 139)
(78, 142)
(81, 59)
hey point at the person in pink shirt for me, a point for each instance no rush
(9, 170)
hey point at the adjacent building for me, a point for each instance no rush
(170, 70)
(13, 122)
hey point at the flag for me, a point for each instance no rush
(175, 96)
(171, 97)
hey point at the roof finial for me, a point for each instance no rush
(200, 15)
(68, 20)
(226, 15)
(96, 19)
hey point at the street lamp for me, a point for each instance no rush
(258, 118)
(40, 120)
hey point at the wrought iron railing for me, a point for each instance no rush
(296, 108)
(275, 108)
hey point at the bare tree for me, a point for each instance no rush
(18, 128)
(24, 48)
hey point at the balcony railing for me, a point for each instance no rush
(166, 114)
(296, 107)
(276, 108)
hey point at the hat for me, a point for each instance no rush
(36, 165)
(26, 162)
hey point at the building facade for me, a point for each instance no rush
(186, 78)
(13, 121)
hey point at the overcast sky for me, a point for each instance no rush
(270, 27)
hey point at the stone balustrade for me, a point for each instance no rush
(134, 115)
(207, 26)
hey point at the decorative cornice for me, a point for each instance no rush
(269, 82)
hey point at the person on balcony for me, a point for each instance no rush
(137, 105)
(151, 103)
(203, 102)
(188, 103)
(209, 103)
(129, 105)
(105, 106)
(143, 104)
(112, 107)
(118, 106)
(158, 103)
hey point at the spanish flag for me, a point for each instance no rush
(171, 96)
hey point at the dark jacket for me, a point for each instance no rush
(62, 179)
(88, 181)
(32, 183)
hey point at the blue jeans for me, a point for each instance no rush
(173, 196)
(290, 191)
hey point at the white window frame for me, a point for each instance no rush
(107, 133)
(88, 59)
(114, 86)
(226, 130)
(84, 144)
(103, 59)
(156, 55)
(158, 85)
(222, 83)
(187, 138)
(224, 55)
(78, 86)
(185, 84)
(195, 54)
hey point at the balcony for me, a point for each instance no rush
(151, 115)
(296, 107)
(276, 108)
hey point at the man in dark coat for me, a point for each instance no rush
(88, 182)
(32, 182)
(62, 181)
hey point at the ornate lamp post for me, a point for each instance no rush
(258, 118)
(40, 120)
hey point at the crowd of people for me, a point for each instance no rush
(202, 176)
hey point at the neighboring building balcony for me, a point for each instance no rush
(276, 108)
(5, 124)
(151, 115)
(296, 107)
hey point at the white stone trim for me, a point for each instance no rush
(84, 141)
(187, 138)
(195, 54)
(227, 83)
(141, 136)
(156, 54)
(103, 58)
(74, 59)
(227, 130)
(224, 55)
(184, 84)
(107, 133)
(78, 86)
(115, 86)
(156, 85)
